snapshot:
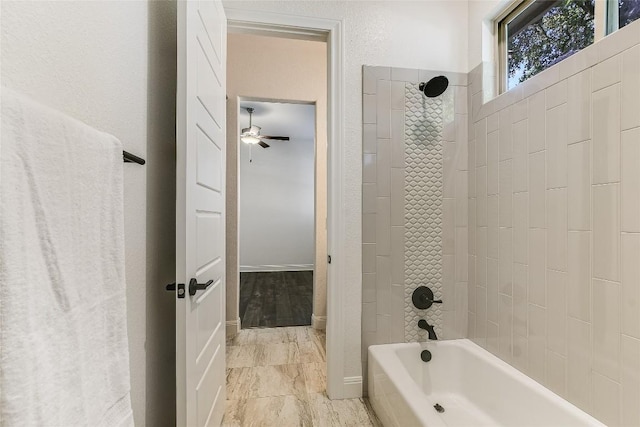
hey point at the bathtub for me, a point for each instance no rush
(472, 387)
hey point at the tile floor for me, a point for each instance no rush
(277, 377)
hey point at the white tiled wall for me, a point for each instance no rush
(555, 164)
(386, 186)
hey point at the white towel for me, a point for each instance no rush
(64, 358)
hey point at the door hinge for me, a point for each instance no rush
(329, 259)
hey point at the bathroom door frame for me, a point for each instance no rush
(331, 31)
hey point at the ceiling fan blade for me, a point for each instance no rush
(263, 144)
(279, 138)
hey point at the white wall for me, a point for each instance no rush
(428, 35)
(112, 65)
(277, 204)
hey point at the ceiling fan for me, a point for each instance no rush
(251, 135)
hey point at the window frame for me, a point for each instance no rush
(603, 25)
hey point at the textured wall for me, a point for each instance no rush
(111, 66)
(414, 205)
(377, 33)
(554, 213)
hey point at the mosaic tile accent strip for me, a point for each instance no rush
(423, 207)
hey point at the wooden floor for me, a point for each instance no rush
(272, 299)
(277, 378)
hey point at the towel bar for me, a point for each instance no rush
(130, 158)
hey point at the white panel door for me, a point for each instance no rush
(200, 213)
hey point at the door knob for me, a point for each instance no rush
(194, 286)
(172, 287)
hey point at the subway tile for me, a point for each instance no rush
(520, 157)
(472, 169)
(481, 196)
(369, 106)
(521, 227)
(369, 138)
(471, 325)
(383, 109)
(492, 163)
(505, 326)
(462, 252)
(537, 190)
(492, 290)
(449, 131)
(383, 167)
(493, 227)
(606, 231)
(383, 226)
(540, 81)
(368, 287)
(579, 363)
(579, 278)
(397, 139)
(536, 346)
(397, 95)
(579, 186)
(448, 282)
(504, 135)
(630, 102)
(369, 198)
(519, 111)
(405, 74)
(382, 329)
(368, 228)
(480, 129)
(369, 168)
(505, 193)
(371, 75)
(481, 256)
(630, 181)
(606, 399)
(617, 42)
(606, 135)
(396, 320)
(493, 122)
(556, 94)
(471, 213)
(460, 99)
(537, 266)
(557, 311)
(631, 284)
(606, 72)
(557, 147)
(630, 381)
(576, 63)
(579, 107)
(448, 226)
(461, 310)
(449, 173)
(520, 284)
(383, 285)
(461, 199)
(505, 261)
(462, 144)
(606, 329)
(368, 258)
(556, 373)
(397, 196)
(557, 226)
(492, 337)
(481, 312)
(520, 350)
(369, 317)
(537, 122)
(397, 255)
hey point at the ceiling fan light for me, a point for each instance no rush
(249, 139)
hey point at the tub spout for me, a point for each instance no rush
(422, 324)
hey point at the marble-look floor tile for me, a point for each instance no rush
(241, 356)
(344, 412)
(264, 381)
(315, 377)
(278, 354)
(267, 412)
(311, 352)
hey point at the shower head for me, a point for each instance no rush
(434, 87)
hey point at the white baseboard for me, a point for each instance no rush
(232, 327)
(352, 387)
(319, 322)
(270, 267)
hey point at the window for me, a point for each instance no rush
(537, 34)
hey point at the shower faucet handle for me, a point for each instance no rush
(423, 298)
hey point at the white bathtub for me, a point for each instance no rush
(474, 387)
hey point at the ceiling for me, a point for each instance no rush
(296, 121)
